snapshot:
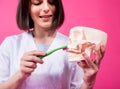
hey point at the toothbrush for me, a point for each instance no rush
(54, 50)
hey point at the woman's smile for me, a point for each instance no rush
(46, 18)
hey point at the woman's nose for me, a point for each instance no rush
(45, 7)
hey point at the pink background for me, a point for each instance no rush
(100, 14)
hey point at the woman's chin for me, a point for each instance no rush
(46, 25)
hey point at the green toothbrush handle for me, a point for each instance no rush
(50, 52)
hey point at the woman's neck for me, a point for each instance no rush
(44, 36)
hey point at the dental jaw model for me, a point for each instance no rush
(81, 39)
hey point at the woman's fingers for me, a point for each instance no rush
(87, 59)
(32, 56)
(83, 64)
(29, 61)
(91, 66)
(97, 55)
(86, 62)
(99, 52)
(32, 59)
(29, 64)
(36, 53)
(102, 50)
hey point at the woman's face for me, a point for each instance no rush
(42, 13)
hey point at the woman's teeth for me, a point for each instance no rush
(45, 16)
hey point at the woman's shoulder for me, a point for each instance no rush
(16, 38)
(19, 36)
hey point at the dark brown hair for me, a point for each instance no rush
(25, 22)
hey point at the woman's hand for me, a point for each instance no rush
(29, 62)
(91, 66)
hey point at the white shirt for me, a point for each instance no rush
(55, 73)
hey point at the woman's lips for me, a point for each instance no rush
(45, 17)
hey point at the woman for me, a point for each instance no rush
(20, 67)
